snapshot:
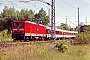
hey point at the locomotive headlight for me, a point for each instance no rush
(21, 29)
(14, 29)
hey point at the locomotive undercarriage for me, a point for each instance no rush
(22, 37)
(17, 36)
(36, 38)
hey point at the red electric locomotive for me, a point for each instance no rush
(23, 29)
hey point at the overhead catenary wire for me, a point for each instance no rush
(68, 4)
(16, 5)
(73, 7)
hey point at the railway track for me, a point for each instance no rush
(10, 43)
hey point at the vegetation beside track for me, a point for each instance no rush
(4, 36)
(83, 37)
(45, 51)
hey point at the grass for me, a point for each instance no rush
(45, 51)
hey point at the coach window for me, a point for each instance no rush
(48, 31)
(57, 32)
(60, 32)
(64, 33)
(74, 33)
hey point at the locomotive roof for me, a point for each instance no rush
(18, 21)
(35, 23)
(28, 22)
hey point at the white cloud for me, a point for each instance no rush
(87, 1)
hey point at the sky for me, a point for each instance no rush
(63, 8)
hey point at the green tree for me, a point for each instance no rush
(26, 14)
(64, 27)
(43, 16)
(9, 15)
(30, 15)
(2, 22)
(21, 14)
(17, 14)
(87, 30)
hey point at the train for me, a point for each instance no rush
(27, 30)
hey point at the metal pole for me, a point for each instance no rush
(66, 20)
(86, 21)
(66, 23)
(53, 20)
(49, 16)
(78, 22)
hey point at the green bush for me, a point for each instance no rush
(4, 35)
(61, 45)
(82, 38)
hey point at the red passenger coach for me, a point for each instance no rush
(61, 33)
(27, 30)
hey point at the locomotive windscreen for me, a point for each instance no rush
(18, 24)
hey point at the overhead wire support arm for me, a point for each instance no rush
(45, 2)
(24, 1)
(36, 0)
